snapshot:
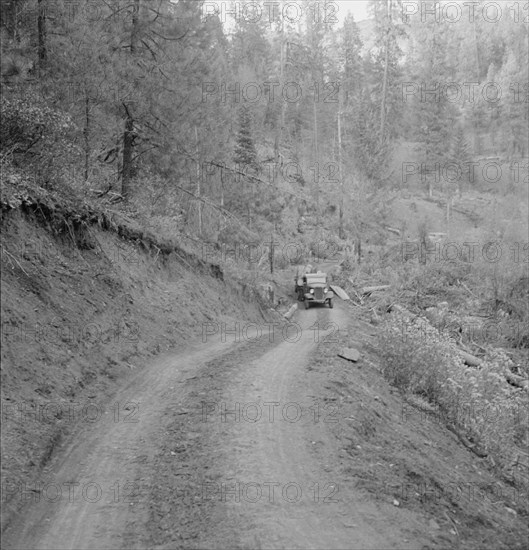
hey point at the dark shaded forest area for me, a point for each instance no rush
(255, 118)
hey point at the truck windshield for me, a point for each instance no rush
(316, 279)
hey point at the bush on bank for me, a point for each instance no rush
(478, 402)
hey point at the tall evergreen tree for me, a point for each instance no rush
(461, 156)
(433, 113)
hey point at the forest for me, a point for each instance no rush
(225, 117)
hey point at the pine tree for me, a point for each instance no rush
(388, 29)
(432, 112)
(245, 155)
(352, 64)
(246, 161)
(461, 156)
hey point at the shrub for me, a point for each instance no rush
(420, 360)
(326, 248)
(38, 138)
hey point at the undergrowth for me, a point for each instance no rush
(478, 401)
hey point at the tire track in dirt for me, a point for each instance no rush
(255, 482)
(177, 462)
(103, 458)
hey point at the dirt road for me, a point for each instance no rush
(273, 481)
(104, 460)
(233, 447)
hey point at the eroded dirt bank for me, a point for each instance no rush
(82, 313)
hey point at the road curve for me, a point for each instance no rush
(291, 496)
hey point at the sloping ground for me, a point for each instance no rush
(336, 459)
(408, 212)
(408, 462)
(83, 307)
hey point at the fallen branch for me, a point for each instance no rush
(370, 289)
(473, 447)
(291, 311)
(351, 354)
(11, 257)
(468, 290)
(517, 381)
(360, 299)
(470, 360)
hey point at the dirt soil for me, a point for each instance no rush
(79, 322)
(245, 439)
(269, 445)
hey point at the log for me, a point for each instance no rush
(470, 360)
(393, 230)
(290, 312)
(369, 289)
(517, 381)
(351, 354)
(340, 292)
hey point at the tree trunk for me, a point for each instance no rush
(317, 166)
(199, 190)
(86, 135)
(271, 253)
(118, 159)
(128, 135)
(41, 31)
(10, 14)
(476, 43)
(281, 122)
(128, 139)
(340, 175)
(385, 80)
(222, 187)
(134, 29)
